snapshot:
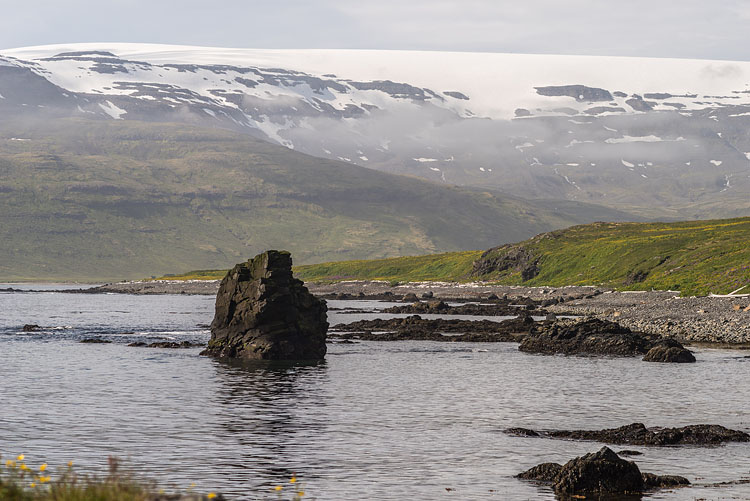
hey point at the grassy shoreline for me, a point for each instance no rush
(694, 257)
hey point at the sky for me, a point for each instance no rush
(716, 29)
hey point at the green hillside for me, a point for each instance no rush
(105, 199)
(695, 257)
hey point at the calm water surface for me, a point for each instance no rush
(379, 421)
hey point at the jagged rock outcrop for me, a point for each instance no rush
(263, 312)
(513, 258)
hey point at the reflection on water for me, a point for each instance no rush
(384, 421)
(258, 402)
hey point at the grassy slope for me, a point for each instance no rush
(102, 200)
(447, 266)
(695, 257)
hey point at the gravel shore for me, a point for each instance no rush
(692, 319)
(723, 320)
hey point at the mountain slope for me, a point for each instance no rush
(694, 257)
(105, 199)
(664, 137)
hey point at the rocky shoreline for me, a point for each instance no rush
(715, 320)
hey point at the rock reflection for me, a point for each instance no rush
(274, 410)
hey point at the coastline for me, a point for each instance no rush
(715, 320)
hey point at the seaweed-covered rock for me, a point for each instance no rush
(263, 312)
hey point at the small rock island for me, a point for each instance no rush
(264, 313)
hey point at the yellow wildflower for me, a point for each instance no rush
(24, 467)
(10, 463)
(278, 488)
(293, 479)
(301, 493)
(44, 479)
(211, 495)
(32, 484)
(20, 457)
(43, 467)
(70, 464)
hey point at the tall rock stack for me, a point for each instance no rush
(264, 313)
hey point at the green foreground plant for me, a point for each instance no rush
(20, 482)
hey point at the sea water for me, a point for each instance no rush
(375, 420)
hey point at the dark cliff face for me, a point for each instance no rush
(263, 312)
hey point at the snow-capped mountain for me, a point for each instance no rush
(626, 132)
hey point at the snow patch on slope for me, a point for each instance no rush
(112, 110)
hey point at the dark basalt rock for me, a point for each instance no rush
(599, 473)
(94, 340)
(515, 258)
(591, 336)
(443, 308)
(417, 328)
(669, 350)
(30, 328)
(263, 312)
(638, 434)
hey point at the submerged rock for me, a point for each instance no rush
(638, 434)
(263, 312)
(653, 481)
(165, 344)
(30, 328)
